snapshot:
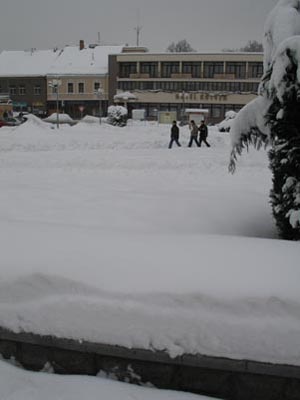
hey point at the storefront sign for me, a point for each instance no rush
(202, 97)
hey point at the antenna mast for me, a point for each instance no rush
(138, 29)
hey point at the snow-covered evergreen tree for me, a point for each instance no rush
(274, 116)
(117, 115)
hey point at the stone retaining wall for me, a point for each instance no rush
(218, 377)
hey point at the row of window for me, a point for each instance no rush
(210, 69)
(235, 87)
(80, 87)
(21, 90)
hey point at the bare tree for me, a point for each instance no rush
(182, 46)
(252, 46)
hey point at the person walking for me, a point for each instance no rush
(194, 134)
(174, 135)
(203, 134)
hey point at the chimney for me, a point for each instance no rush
(81, 44)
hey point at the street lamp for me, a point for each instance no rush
(55, 84)
(183, 96)
(99, 93)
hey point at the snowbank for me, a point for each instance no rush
(23, 385)
(63, 118)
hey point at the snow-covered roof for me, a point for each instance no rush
(26, 63)
(196, 110)
(125, 96)
(68, 61)
(73, 61)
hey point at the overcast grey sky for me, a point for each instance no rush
(206, 24)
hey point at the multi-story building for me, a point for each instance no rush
(26, 77)
(218, 82)
(82, 73)
(23, 78)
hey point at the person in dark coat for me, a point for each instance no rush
(174, 135)
(194, 134)
(203, 134)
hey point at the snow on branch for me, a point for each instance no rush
(249, 127)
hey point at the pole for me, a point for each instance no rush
(182, 107)
(57, 108)
(100, 110)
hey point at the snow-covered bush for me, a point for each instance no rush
(273, 117)
(225, 125)
(117, 115)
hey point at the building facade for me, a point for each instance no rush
(82, 73)
(27, 93)
(175, 81)
(23, 78)
(78, 95)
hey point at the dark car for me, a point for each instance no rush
(11, 121)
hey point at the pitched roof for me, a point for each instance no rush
(26, 63)
(68, 61)
(73, 61)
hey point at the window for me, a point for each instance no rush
(144, 85)
(12, 90)
(216, 111)
(97, 86)
(126, 69)
(150, 68)
(37, 90)
(255, 70)
(213, 68)
(70, 87)
(22, 90)
(127, 86)
(193, 68)
(238, 69)
(169, 68)
(80, 87)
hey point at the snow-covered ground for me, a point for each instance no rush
(107, 235)
(16, 384)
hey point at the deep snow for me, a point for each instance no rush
(16, 384)
(163, 247)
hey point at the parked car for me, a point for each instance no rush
(11, 121)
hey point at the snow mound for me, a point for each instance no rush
(63, 118)
(89, 119)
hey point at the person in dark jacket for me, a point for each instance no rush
(194, 134)
(203, 134)
(174, 135)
